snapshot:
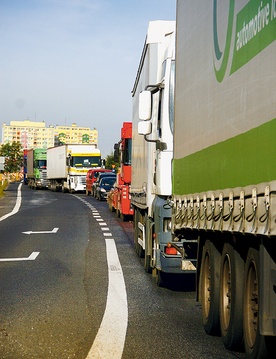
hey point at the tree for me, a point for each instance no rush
(13, 154)
(110, 163)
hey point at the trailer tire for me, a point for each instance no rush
(209, 287)
(148, 245)
(160, 278)
(138, 249)
(63, 188)
(256, 345)
(231, 298)
(147, 265)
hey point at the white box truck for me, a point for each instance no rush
(152, 155)
(224, 174)
(67, 166)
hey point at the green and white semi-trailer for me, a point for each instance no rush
(223, 167)
(224, 173)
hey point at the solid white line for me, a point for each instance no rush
(31, 257)
(17, 204)
(110, 339)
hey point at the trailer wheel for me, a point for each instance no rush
(63, 188)
(148, 245)
(209, 287)
(160, 278)
(231, 298)
(138, 249)
(256, 345)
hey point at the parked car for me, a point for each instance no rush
(100, 176)
(92, 176)
(104, 186)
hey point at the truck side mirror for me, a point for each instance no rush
(116, 155)
(144, 128)
(68, 160)
(145, 105)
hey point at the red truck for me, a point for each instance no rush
(119, 197)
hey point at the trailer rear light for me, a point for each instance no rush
(170, 251)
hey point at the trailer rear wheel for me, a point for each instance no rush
(231, 298)
(256, 345)
(209, 287)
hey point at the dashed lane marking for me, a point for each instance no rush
(110, 339)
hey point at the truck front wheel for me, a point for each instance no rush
(209, 287)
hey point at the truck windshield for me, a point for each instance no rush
(86, 161)
(42, 164)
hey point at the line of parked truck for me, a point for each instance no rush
(203, 180)
(197, 171)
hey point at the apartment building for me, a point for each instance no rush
(34, 134)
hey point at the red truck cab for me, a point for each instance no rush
(119, 198)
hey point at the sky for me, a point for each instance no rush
(74, 61)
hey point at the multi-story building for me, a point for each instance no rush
(74, 134)
(36, 135)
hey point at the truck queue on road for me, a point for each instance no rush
(197, 172)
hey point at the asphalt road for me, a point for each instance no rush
(71, 286)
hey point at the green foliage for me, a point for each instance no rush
(109, 162)
(14, 156)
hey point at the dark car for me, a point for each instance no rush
(97, 182)
(104, 186)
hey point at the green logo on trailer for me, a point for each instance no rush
(255, 30)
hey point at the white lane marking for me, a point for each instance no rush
(105, 229)
(31, 257)
(107, 234)
(110, 339)
(17, 204)
(41, 232)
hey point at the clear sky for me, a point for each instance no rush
(73, 61)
